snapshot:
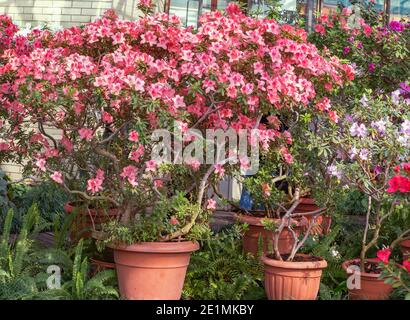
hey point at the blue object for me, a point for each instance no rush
(246, 202)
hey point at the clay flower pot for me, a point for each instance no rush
(324, 222)
(83, 223)
(100, 265)
(251, 236)
(289, 280)
(405, 248)
(371, 287)
(153, 270)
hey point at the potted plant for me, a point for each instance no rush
(117, 90)
(365, 148)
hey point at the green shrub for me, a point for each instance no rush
(220, 270)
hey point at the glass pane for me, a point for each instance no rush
(399, 9)
(330, 6)
(188, 10)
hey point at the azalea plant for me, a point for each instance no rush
(398, 275)
(378, 52)
(361, 152)
(109, 85)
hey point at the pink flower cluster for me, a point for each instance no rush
(112, 74)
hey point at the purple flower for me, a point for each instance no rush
(377, 170)
(405, 127)
(395, 96)
(346, 50)
(371, 67)
(404, 87)
(359, 45)
(380, 126)
(396, 26)
(364, 100)
(358, 130)
(353, 153)
(348, 118)
(364, 153)
(333, 171)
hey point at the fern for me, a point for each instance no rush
(221, 271)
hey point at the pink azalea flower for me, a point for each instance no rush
(194, 164)
(86, 134)
(107, 118)
(151, 166)
(133, 136)
(129, 173)
(94, 185)
(211, 204)
(57, 177)
(219, 170)
(40, 163)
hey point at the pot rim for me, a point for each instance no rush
(347, 263)
(70, 206)
(405, 243)
(257, 221)
(295, 265)
(158, 247)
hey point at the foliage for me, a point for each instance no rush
(165, 216)
(221, 271)
(23, 265)
(380, 54)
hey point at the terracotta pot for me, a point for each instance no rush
(405, 248)
(371, 287)
(153, 270)
(288, 280)
(100, 265)
(251, 236)
(86, 219)
(323, 222)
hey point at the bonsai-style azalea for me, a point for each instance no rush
(109, 85)
(364, 150)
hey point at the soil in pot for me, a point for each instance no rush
(153, 270)
(87, 219)
(293, 280)
(256, 230)
(367, 284)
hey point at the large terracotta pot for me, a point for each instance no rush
(405, 248)
(288, 280)
(371, 287)
(251, 236)
(153, 270)
(86, 219)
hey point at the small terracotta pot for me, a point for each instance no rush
(86, 219)
(153, 270)
(100, 265)
(251, 236)
(405, 248)
(288, 280)
(371, 287)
